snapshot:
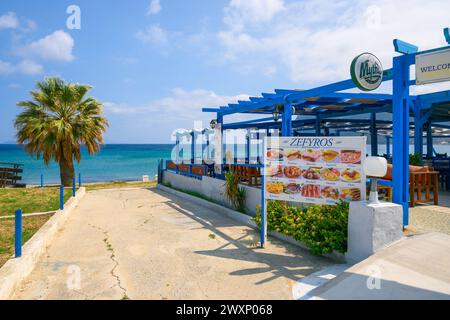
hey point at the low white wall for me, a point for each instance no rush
(213, 188)
(17, 269)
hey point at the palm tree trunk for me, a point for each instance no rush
(67, 173)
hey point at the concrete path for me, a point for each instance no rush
(414, 268)
(145, 244)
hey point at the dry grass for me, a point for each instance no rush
(30, 226)
(30, 200)
(119, 184)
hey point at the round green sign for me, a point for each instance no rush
(366, 72)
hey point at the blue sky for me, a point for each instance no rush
(154, 64)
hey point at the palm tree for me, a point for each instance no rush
(57, 121)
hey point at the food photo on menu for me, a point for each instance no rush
(351, 156)
(330, 156)
(274, 154)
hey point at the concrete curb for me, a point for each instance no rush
(17, 269)
(246, 220)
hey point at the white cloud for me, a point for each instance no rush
(56, 46)
(27, 67)
(183, 103)
(155, 7)
(154, 35)
(9, 21)
(14, 86)
(314, 41)
(155, 121)
(6, 67)
(241, 12)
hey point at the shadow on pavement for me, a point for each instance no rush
(293, 262)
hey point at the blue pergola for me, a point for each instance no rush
(327, 110)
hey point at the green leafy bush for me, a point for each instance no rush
(322, 228)
(234, 193)
(415, 159)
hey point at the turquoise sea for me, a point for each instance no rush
(113, 162)
(119, 161)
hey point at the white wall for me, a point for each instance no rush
(213, 188)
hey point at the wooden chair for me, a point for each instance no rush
(420, 186)
(247, 174)
(423, 185)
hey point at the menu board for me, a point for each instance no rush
(322, 170)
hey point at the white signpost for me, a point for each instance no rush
(317, 170)
(433, 67)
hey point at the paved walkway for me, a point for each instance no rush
(414, 268)
(145, 244)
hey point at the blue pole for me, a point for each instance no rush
(193, 147)
(258, 156)
(18, 233)
(263, 203)
(429, 141)
(42, 181)
(74, 187)
(388, 146)
(61, 197)
(79, 180)
(373, 134)
(247, 148)
(418, 131)
(317, 126)
(286, 128)
(400, 134)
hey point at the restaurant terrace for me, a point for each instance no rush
(393, 120)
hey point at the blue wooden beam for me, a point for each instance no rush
(404, 47)
(210, 110)
(447, 35)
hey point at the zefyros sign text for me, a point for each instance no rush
(321, 170)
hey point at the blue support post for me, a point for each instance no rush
(317, 126)
(18, 233)
(193, 147)
(61, 197)
(263, 204)
(418, 131)
(388, 146)
(286, 128)
(74, 187)
(258, 156)
(247, 147)
(42, 181)
(373, 134)
(429, 141)
(400, 134)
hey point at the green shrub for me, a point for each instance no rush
(415, 159)
(234, 193)
(322, 228)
